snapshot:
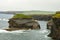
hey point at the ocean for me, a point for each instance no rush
(22, 34)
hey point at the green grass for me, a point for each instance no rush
(56, 16)
(21, 16)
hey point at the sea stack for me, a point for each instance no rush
(21, 21)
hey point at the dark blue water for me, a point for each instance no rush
(22, 34)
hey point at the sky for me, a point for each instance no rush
(28, 5)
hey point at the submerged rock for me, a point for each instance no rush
(23, 23)
(55, 27)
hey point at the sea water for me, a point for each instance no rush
(22, 34)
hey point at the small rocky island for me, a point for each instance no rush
(55, 26)
(21, 21)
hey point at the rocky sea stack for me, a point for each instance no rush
(55, 27)
(21, 21)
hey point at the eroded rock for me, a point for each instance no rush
(23, 23)
(55, 28)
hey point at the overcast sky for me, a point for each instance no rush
(24, 5)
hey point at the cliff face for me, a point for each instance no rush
(55, 32)
(42, 17)
(55, 28)
(23, 23)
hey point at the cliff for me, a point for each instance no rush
(55, 28)
(42, 17)
(21, 21)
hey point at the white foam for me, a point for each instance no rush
(3, 31)
(4, 19)
(0, 19)
(43, 31)
(46, 36)
(17, 31)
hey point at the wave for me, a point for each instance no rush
(44, 31)
(17, 31)
(4, 19)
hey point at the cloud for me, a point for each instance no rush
(15, 5)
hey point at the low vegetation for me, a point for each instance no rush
(21, 16)
(56, 16)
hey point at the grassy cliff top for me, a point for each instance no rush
(56, 16)
(21, 16)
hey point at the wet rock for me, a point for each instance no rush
(55, 28)
(23, 23)
(49, 24)
(42, 17)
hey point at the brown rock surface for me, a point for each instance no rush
(55, 28)
(23, 23)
